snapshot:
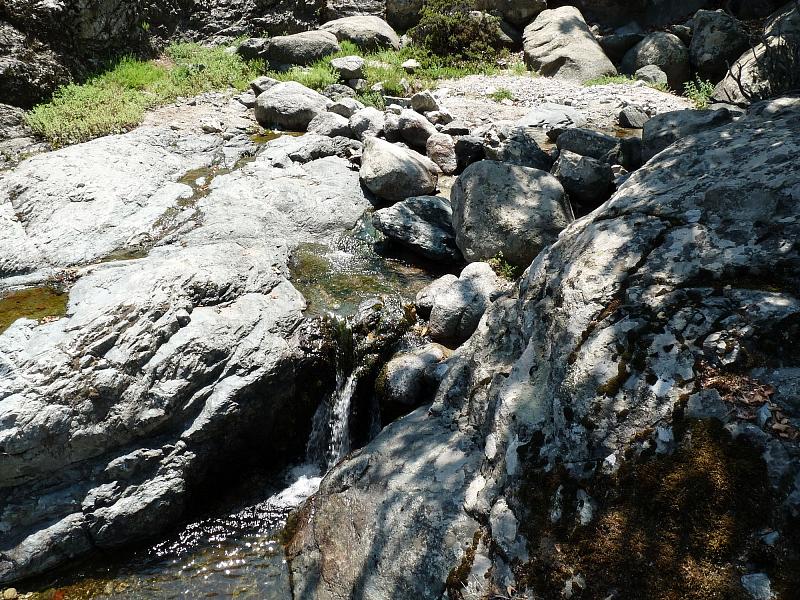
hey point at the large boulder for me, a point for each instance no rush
(754, 76)
(393, 173)
(367, 32)
(665, 129)
(664, 50)
(559, 44)
(409, 127)
(718, 41)
(502, 208)
(181, 345)
(516, 145)
(457, 305)
(299, 48)
(423, 224)
(603, 147)
(290, 105)
(620, 364)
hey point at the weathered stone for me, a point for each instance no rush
(422, 223)
(502, 208)
(559, 44)
(516, 145)
(664, 50)
(423, 102)
(469, 149)
(349, 67)
(410, 127)
(665, 129)
(367, 32)
(330, 124)
(346, 107)
(289, 105)
(652, 74)
(589, 182)
(367, 122)
(718, 40)
(553, 119)
(393, 173)
(299, 48)
(410, 379)
(632, 117)
(441, 149)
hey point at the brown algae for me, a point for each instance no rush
(38, 303)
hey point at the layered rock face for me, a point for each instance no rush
(183, 341)
(618, 334)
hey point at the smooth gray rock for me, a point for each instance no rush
(665, 129)
(664, 50)
(394, 173)
(441, 149)
(338, 91)
(594, 144)
(589, 182)
(426, 297)
(508, 209)
(346, 107)
(469, 149)
(559, 44)
(330, 124)
(652, 74)
(410, 127)
(349, 67)
(458, 307)
(367, 32)
(261, 84)
(718, 41)
(422, 223)
(616, 45)
(367, 122)
(300, 48)
(290, 106)
(553, 118)
(410, 378)
(423, 102)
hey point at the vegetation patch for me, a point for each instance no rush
(503, 268)
(609, 80)
(115, 100)
(684, 526)
(699, 92)
(502, 94)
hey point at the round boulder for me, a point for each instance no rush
(289, 105)
(349, 67)
(394, 173)
(300, 48)
(367, 122)
(718, 40)
(366, 32)
(664, 50)
(508, 209)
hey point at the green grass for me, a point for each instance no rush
(384, 67)
(114, 101)
(502, 94)
(609, 79)
(699, 92)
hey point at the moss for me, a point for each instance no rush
(37, 303)
(669, 527)
(458, 577)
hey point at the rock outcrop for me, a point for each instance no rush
(559, 44)
(675, 301)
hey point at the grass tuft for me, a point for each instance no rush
(502, 94)
(609, 80)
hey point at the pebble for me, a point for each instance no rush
(10, 594)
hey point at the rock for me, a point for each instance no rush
(439, 117)
(422, 223)
(502, 208)
(458, 307)
(367, 122)
(338, 91)
(346, 107)
(441, 149)
(517, 12)
(261, 84)
(456, 128)
(559, 44)
(410, 127)
(758, 586)
(617, 45)
(338, 9)
(410, 379)
(205, 312)
(289, 105)
(665, 129)
(423, 102)
(403, 14)
(554, 118)
(651, 74)
(10, 594)
(600, 343)
(393, 173)
(605, 148)
(299, 48)
(369, 33)
(469, 149)
(718, 40)
(664, 50)
(247, 99)
(754, 67)
(29, 70)
(410, 66)
(632, 117)
(349, 67)
(251, 48)
(589, 182)
(330, 124)
(515, 145)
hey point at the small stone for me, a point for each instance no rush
(261, 84)
(632, 117)
(10, 594)
(349, 67)
(424, 102)
(411, 66)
